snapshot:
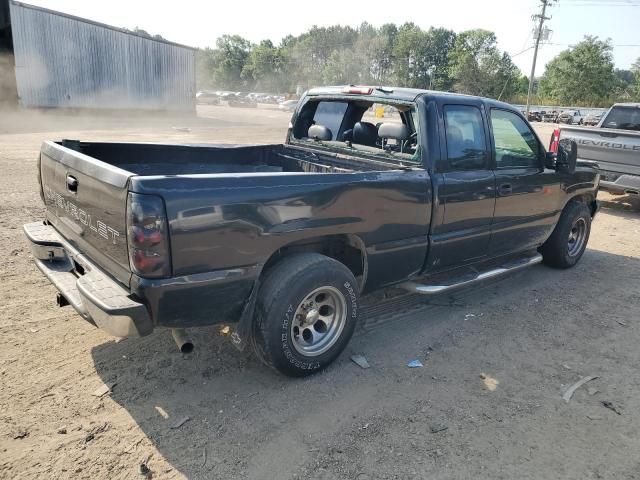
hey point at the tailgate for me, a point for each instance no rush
(86, 202)
(613, 150)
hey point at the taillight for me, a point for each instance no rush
(147, 236)
(358, 90)
(555, 138)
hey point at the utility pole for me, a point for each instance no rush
(541, 18)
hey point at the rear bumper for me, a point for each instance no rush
(178, 302)
(619, 184)
(93, 294)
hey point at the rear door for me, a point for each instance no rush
(528, 194)
(86, 201)
(465, 188)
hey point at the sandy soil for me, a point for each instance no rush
(531, 335)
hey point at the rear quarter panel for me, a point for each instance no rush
(228, 221)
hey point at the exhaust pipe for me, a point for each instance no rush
(185, 345)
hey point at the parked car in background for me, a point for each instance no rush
(281, 240)
(571, 117)
(288, 105)
(534, 116)
(241, 100)
(550, 117)
(592, 119)
(614, 145)
(204, 97)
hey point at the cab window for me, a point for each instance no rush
(516, 146)
(466, 145)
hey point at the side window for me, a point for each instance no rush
(466, 146)
(330, 115)
(516, 145)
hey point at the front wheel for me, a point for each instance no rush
(569, 239)
(306, 312)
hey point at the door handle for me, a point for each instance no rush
(72, 184)
(505, 189)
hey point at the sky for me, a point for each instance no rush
(199, 23)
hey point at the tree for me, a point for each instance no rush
(582, 74)
(478, 67)
(635, 68)
(230, 57)
(265, 68)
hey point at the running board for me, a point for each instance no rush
(479, 277)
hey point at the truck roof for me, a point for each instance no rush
(399, 93)
(628, 104)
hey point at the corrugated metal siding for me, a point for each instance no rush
(64, 62)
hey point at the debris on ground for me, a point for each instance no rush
(611, 406)
(592, 391)
(414, 364)
(438, 427)
(20, 434)
(89, 437)
(469, 315)
(489, 382)
(204, 456)
(62, 431)
(360, 360)
(225, 331)
(180, 422)
(569, 393)
(103, 390)
(594, 417)
(621, 323)
(144, 470)
(181, 129)
(162, 412)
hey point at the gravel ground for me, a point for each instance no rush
(487, 403)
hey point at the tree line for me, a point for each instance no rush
(467, 62)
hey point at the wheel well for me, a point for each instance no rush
(347, 249)
(587, 199)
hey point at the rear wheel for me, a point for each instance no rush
(567, 243)
(305, 313)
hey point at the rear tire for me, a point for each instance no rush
(567, 243)
(306, 311)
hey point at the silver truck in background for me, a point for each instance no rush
(614, 145)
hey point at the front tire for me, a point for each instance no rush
(567, 243)
(306, 311)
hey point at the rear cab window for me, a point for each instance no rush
(623, 118)
(354, 128)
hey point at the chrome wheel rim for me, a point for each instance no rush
(577, 237)
(318, 321)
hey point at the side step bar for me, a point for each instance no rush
(478, 277)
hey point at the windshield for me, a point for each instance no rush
(624, 118)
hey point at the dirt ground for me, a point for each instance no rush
(535, 333)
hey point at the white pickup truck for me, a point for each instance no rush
(614, 145)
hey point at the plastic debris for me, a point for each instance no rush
(226, 330)
(103, 390)
(489, 382)
(163, 413)
(180, 422)
(360, 360)
(144, 470)
(592, 391)
(611, 406)
(569, 393)
(438, 427)
(414, 364)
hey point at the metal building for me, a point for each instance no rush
(66, 61)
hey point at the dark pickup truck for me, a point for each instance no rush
(280, 240)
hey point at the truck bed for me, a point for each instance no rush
(154, 159)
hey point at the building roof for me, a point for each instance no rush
(98, 24)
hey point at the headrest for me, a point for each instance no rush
(319, 132)
(397, 131)
(365, 133)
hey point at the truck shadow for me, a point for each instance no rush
(625, 206)
(245, 420)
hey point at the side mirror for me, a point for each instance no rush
(550, 160)
(567, 157)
